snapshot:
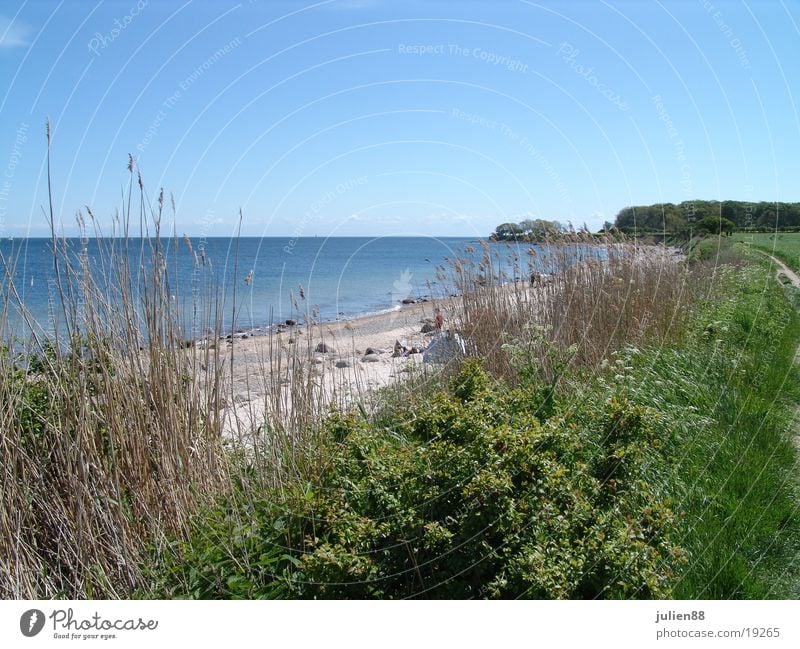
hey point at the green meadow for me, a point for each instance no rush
(784, 245)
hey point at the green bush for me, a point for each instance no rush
(472, 496)
(670, 472)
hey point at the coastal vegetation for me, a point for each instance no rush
(666, 469)
(678, 221)
(110, 431)
(784, 245)
(708, 216)
(529, 230)
(622, 428)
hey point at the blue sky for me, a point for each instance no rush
(378, 117)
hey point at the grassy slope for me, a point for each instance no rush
(734, 391)
(711, 441)
(784, 245)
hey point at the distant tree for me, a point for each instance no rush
(528, 226)
(687, 216)
(716, 225)
(729, 210)
(507, 232)
(528, 230)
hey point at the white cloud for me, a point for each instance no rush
(13, 33)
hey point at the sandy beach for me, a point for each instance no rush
(341, 361)
(344, 361)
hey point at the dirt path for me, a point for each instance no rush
(783, 269)
(794, 278)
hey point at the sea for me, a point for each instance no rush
(267, 280)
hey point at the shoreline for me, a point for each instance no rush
(359, 318)
(344, 317)
(356, 358)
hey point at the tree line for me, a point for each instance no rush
(530, 230)
(713, 216)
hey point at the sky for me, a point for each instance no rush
(381, 118)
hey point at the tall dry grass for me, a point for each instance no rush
(598, 298)
(283, 394)
(109, 431)
(113, 430)
(121, 416)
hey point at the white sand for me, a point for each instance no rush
(260, 390)
(257, 388)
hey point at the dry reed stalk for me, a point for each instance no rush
(598, 305)
(109, 434)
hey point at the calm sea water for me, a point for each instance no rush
(340, 277)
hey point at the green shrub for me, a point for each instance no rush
(472, 497)
(670, 472)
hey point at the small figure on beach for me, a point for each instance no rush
(540, 279)
(438, 319)
(401, 349)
